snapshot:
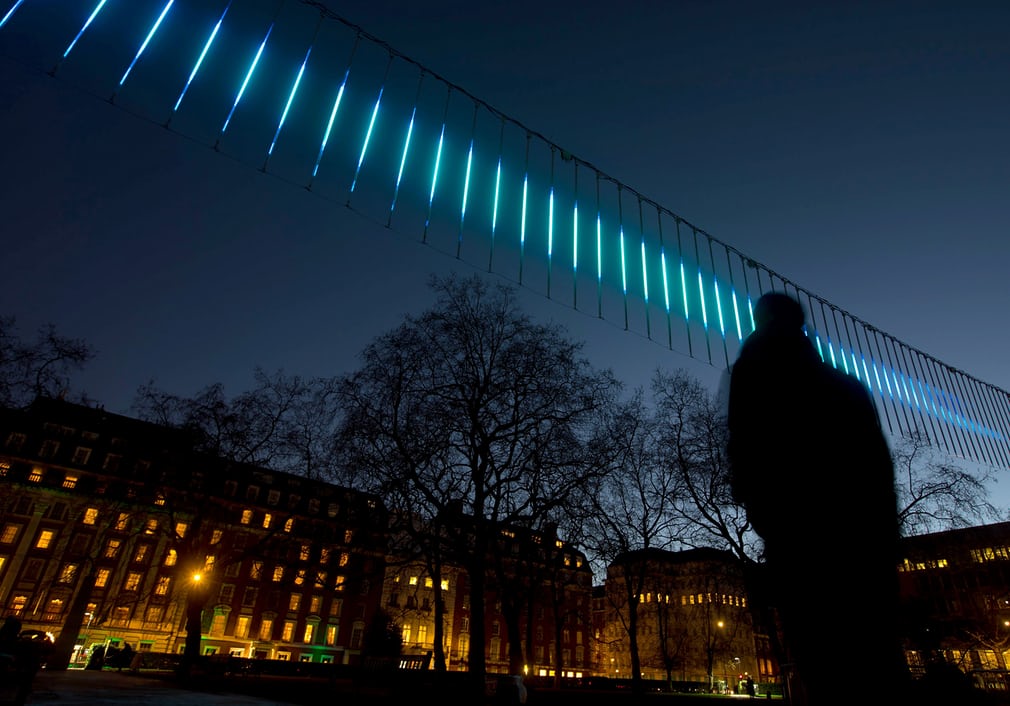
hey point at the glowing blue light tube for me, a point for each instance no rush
(466, 185)
(666, 284)
(403, 158)
(575, 236)
(522, 223)
(683, 288)
(497, 186)
(291, 98)
(624, 274)
(701, 296)
(245, 81)
(820, 350)
(750, 309)
(199, 61)
(91, 18)
(10, 12)
(329, 124)
(645, 275)
(143, 46)
(831, 352)
(368, 136)
(550, 227)
(736, 315)
(718, 306)
(434, 176)
(876, 374)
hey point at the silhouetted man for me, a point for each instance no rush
(813, 469)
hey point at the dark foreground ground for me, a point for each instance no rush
(90, 688)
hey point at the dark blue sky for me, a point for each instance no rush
(861, 149)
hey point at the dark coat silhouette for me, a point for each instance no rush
(813, 469)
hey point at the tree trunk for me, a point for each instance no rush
(63, 648)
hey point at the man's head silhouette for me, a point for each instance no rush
(778, 311)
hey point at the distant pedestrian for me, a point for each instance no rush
(812, 467)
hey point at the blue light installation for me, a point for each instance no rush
(199, 61)
(87, 23)
(946, 400)
(291, 96)
(466, 184)
(333, 113)
(10, 12)
(368, 132)
(438, 161)
(147, 40)
(406, 147)
(245, 82)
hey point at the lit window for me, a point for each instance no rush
(331, 635)
(413, 581)
(161, 587)
(180, 529)
(267, 520)
(141, 554)
(67, 573)
(320, 578)
(90, 516)
(428, 583)
(171, 557)
(102, 578)
(215, 537)
(445, 584)
(289, 524)
(112, 548)
(315, 604)
(310, 631)
(36, 475)
(339, 585)
(132, 581)
(18, 603)
(5, 468)
(348, 536)
(122, 522)
(324, 555)
(266, 629)
(208, 563)
(288, 632)
(303, 554)
(55, 606)
(151, 526)
(294, 601)
(256, 570)
(300, 577)
(70, 481)
(242, 626)
(344, 558)
(278, 573)
(45, 539)
(246, 517)
(9, 534)
(159, 499)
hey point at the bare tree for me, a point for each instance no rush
(285, 422)
(691, 430)
(40, 368)
(631, 511)
(465, 405)
(935, 494)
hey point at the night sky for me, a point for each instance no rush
(861, 149)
